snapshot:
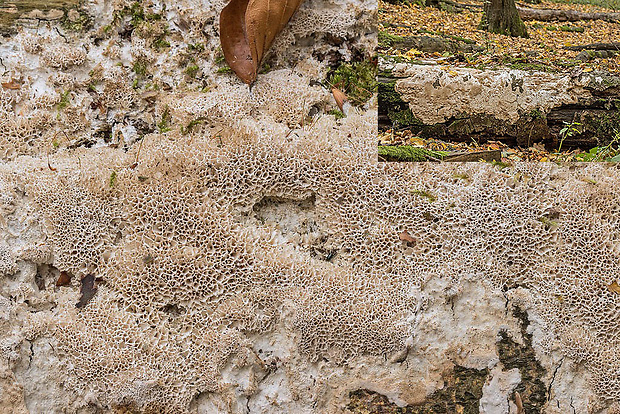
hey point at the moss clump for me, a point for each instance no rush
(140, 67)
(147, 25)
(537, 114)
(387, 39)
(164, 124)
(423, 193)
(409, 153)
(192, 124)
(160, 42)
(65, 98)
(191, 71)
(224, 69)
(196, 48)
(501, 165)
(336, 113)
(112, 180)
(80, 23)
(522, 63)
(358, 80)
(397, 110)
(567, 28)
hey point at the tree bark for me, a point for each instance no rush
(501, 16)
(546, 15)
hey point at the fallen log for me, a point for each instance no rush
(546, 15)
(462, 105)
(430, 44)
(615, 46)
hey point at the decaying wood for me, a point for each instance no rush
(434, 44)
(614, 46)
(546, 15)
(598, 115)
(32, 12)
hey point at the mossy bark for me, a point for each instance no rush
(501, 16)
(408, 153)
(25, 10)
(429, 44)
(393, 111)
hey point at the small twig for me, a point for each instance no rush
(5, 69)
(62, 35)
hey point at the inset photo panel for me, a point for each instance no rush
(499, 81)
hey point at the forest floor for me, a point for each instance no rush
(545, 50)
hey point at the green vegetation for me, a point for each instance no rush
(140, 67)
(166, 118)
(409, 153)
(425, 194)
(608, 153)
(160, 42)
(336, 113)
(549, 224)
(224, 69)
(501, 165)
(567, 28)
(149, 25)
(192, 124)
(522, 63)
(196, 48)
(568, 131)
(78, 24)
(191, 70)
(65, 98)
(357, 80)
(386, 39)
(112, 179)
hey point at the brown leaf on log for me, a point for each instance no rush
(87, 290)
(247, 30)
(64, 279)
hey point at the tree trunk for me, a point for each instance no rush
(501, 16)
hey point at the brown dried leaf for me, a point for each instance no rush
(64, 279)
(340, 97)
(87, 290)
(405, 236)
(519, 403)
(614, 287)
(247, 30)
(234, 40)
(13, 84)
